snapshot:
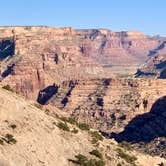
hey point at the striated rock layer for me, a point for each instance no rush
(134, 108)
(105, 104)
(35, 57)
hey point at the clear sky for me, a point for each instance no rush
(147, 16)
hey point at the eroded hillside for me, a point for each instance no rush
(31, 136)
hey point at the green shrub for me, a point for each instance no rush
(75, 131)
(10, 139)
(83, 126)
(94, 141)
(37, 105)
(96, 135)
(125, 145)
(13, 126)
(7, 87)
(91, 162)
(80, 160)
(100, 163)
(126, 157)
(1, 142)
(63, 126)
(83, 161)
(96, 153)
(47, 111)
(94, 162)
(71, 120)
(54, 123)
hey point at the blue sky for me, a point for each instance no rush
(147, 16)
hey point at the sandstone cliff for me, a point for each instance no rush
(35, 57)
(104, 102)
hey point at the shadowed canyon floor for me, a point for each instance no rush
(148, 128)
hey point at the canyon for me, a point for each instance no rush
(52, 55)
(112, 81)
(36, 139)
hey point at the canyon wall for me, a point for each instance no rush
(35, 57)
(106, 104)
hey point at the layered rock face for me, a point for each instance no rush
(106, 104)
(35, 57)
(131, 110)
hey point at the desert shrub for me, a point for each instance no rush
(125, 145)
(7, 87)
(37, 105)
(83, 161)
(70, 120)
(47, 111)
(63, 126)
(1, 142)
(10, 139)
(96, 135)
(94, 162)
(119, 164)
(75, 131)
(96, 153)
(91, 162)
(126, 157)
(13, 126)
(100, 163)
(83, 126)
(54, 123)
(80, 160)
(94, 141)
